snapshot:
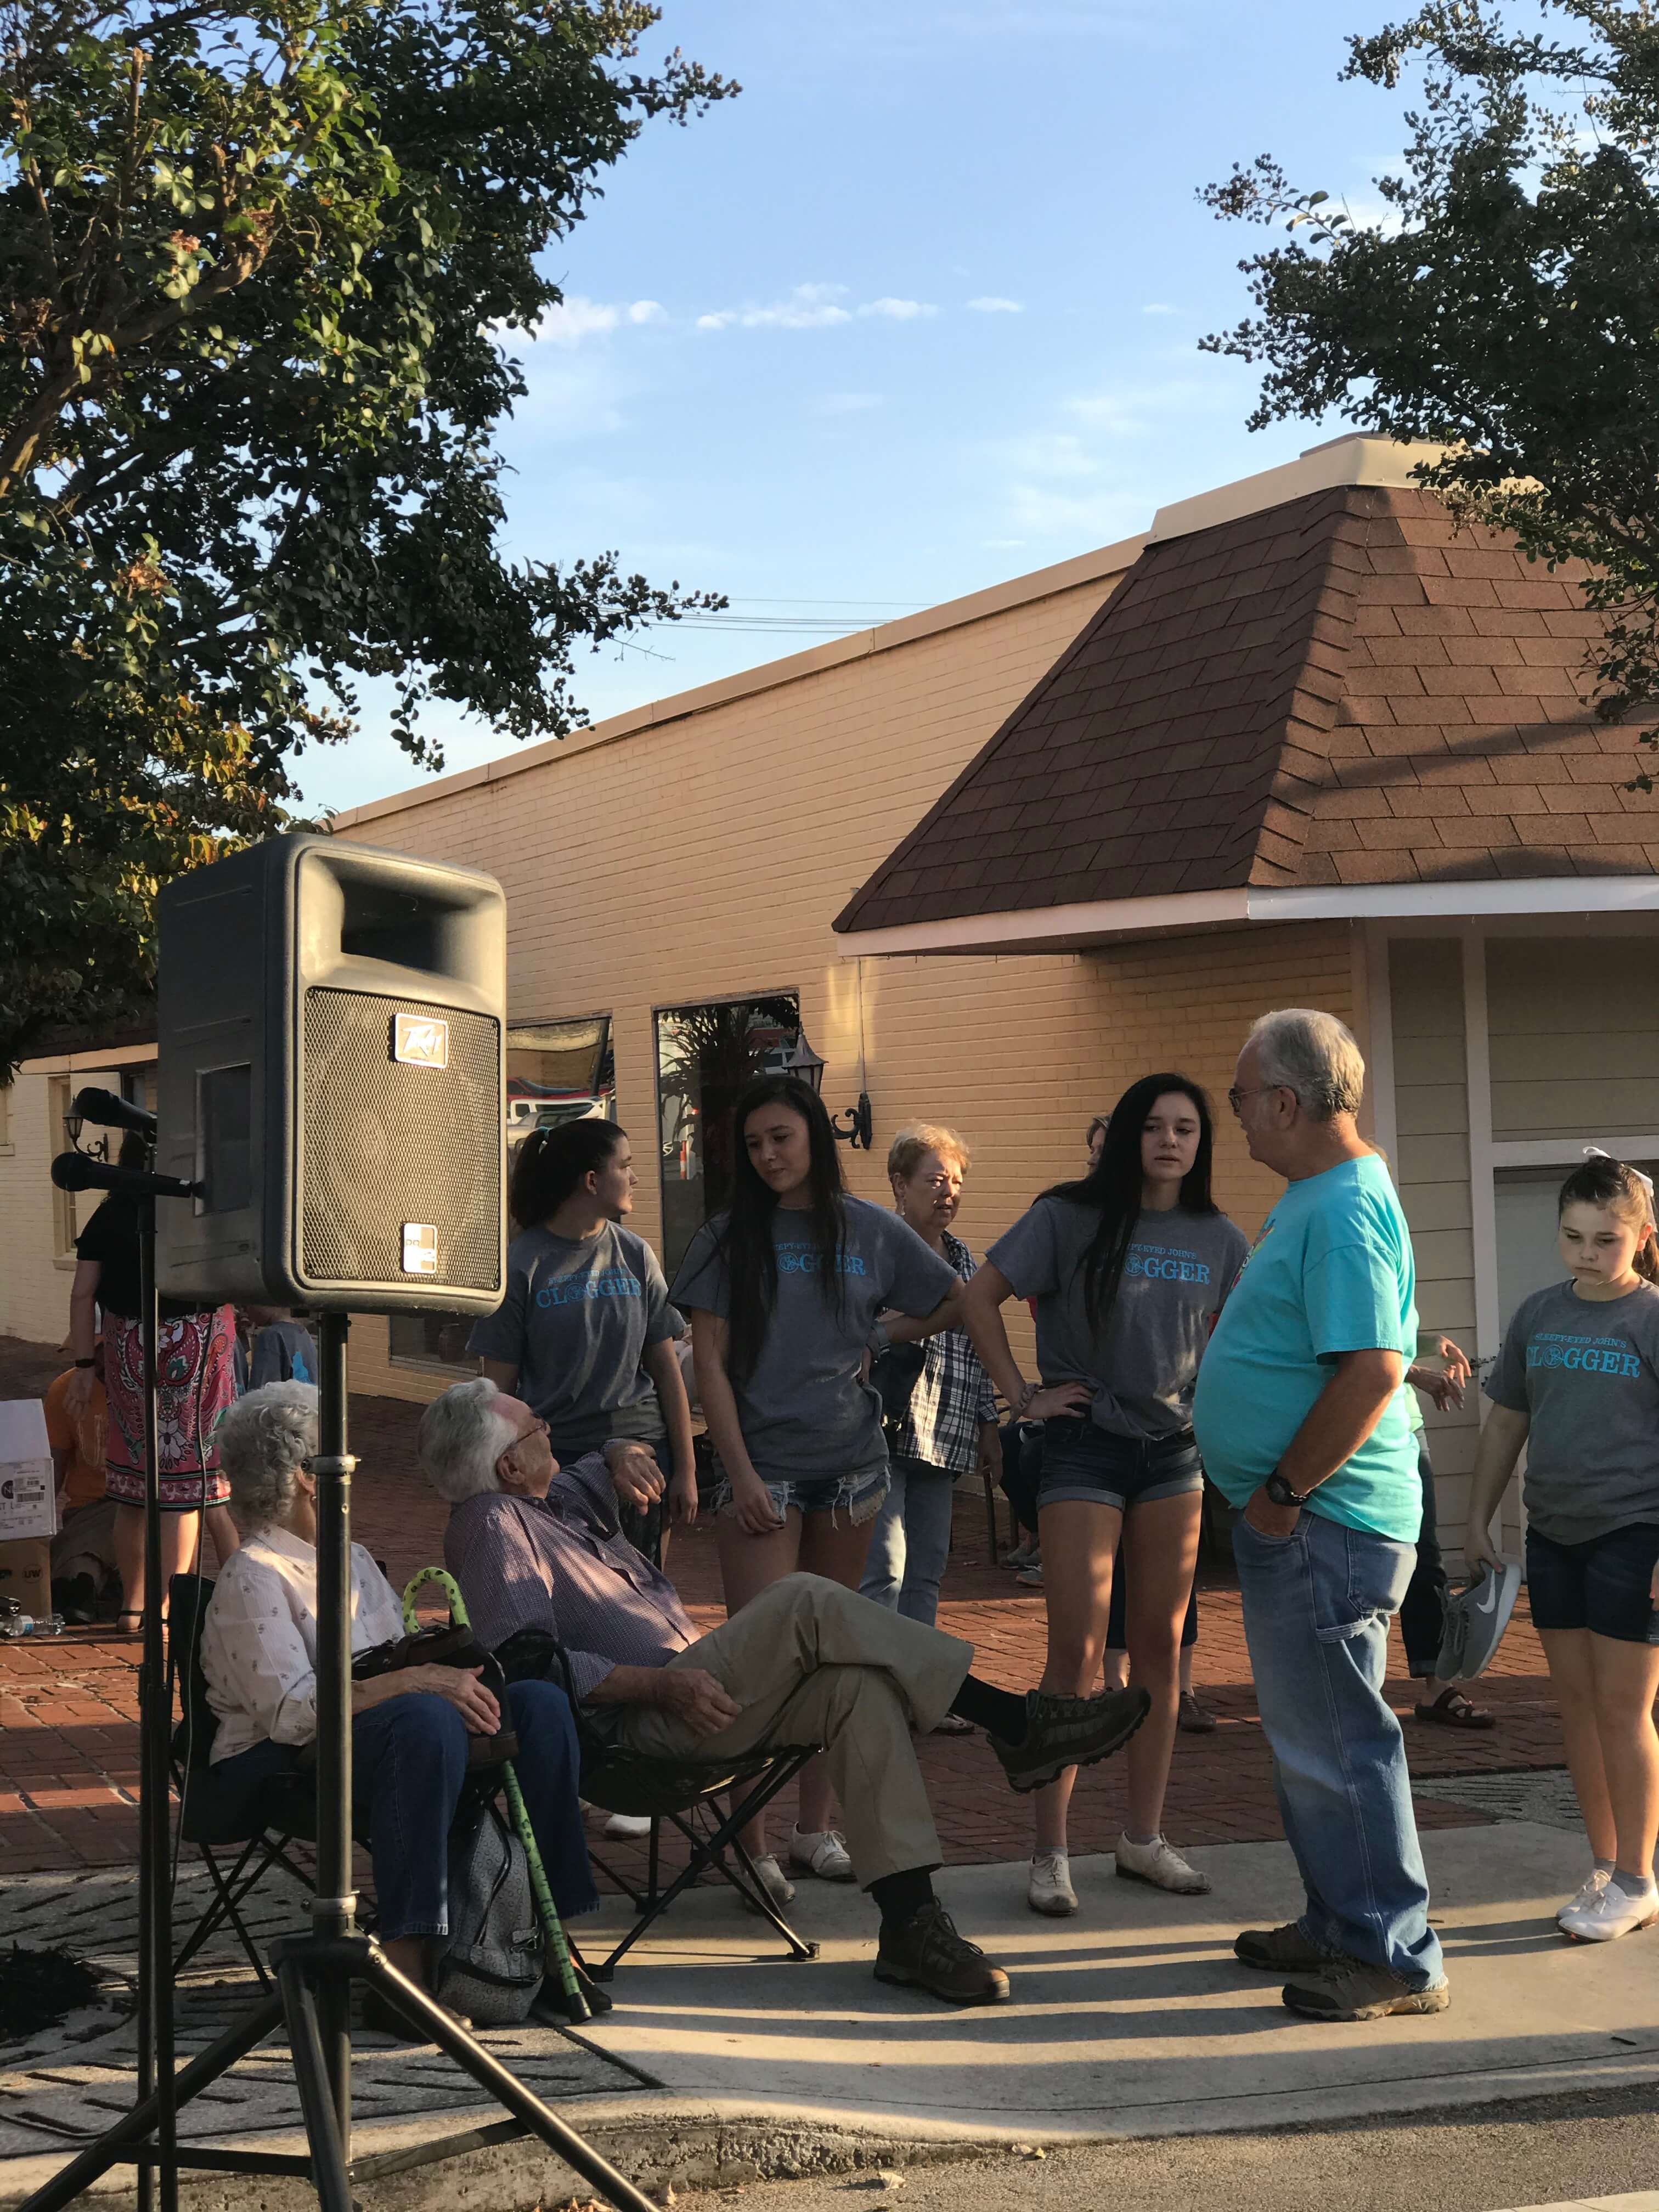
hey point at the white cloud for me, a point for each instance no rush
(991, 305)
(1158, 307)
(575, 318)
(812, 308)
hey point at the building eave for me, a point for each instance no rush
(1100, 922)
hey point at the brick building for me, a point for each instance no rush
(1301, 744)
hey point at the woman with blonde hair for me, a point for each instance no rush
(948, 1425)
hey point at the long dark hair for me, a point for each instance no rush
(745, 1238)
(550, 1164)
(1613, 1184)
(1113, 1186)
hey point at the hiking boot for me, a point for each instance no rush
(1284, 1950)
(1348, 1990)
(1062, 1732)
(926, 1953)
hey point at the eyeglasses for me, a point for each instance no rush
(1236, 1098)
(537, 1428)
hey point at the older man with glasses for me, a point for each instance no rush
(534, 1545)
(1301, 1421)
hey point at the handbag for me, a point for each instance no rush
(895, 1373)
(440, 1645)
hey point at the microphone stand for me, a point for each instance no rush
(315, 1973)
(155, 2023)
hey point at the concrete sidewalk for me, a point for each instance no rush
(1133, 2020)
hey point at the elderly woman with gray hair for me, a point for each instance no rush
(410, 1729)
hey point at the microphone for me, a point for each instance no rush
(75, 1172)
(108, 1111)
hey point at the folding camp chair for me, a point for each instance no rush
(685, 1796)
(257, 1835)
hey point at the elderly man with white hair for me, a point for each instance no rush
(806, 1662)
(409, 1730)
(1301, 1420)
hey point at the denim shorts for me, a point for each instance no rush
(860, 1496)
(1602, 1585)
(1086, 1463)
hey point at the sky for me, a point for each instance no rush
(917, 312)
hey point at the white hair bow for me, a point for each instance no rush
(1596, 1152)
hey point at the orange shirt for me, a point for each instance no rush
(82, 1440)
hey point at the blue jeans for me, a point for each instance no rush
(911, 1541)
(1316, 1609)
(408, 1763)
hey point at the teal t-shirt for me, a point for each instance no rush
(1330, 1273)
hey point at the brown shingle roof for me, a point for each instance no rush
(1341, 690)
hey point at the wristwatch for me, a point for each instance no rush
(1280, 1491)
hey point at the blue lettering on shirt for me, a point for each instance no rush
(804, 1260)
(577, 1290)
(1165, 1263)
(1588, 1355)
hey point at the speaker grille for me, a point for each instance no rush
(387, 1142)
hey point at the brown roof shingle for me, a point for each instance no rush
(1341, 690)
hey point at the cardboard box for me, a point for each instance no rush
(26, 1574)
(28, 1486)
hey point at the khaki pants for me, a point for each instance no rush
(811, 1662)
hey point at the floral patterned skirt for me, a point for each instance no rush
(196, 1382)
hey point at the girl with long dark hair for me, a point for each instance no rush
(585, 1334)
(1129, 1267)
(783, 1291)
(1577, 1383)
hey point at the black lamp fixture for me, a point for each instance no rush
(803, 1061)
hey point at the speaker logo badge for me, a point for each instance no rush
(420, 1247)
(421, 1040)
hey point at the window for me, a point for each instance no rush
(432, 1340)
(559, 1072)
(705, 1055)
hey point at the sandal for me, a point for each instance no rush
(1451, 1709)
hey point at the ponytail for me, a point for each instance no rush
(551, 1165)
(1622, 1189)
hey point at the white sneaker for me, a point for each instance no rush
(1159, 1863)
(628, 1824)
(822, 1852)
(1611, 1913)
(1048, 1890)
(779, 1887)
(1586, 1894)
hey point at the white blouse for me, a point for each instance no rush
(260, 1639)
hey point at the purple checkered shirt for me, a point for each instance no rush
(563, 1565)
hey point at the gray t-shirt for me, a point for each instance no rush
(577, 1318)
(1587, 1372)
(1143, 1364)
(804, 1410)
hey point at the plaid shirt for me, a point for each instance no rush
(953, 1394)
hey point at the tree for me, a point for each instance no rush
(1507, 308)
(261, 265)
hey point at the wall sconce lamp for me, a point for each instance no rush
(803, 1061)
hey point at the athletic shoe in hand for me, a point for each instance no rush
(926, 1953)
(1062, 1732)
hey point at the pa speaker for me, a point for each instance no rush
(331, 1071)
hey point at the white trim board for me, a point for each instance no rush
(1066, 928)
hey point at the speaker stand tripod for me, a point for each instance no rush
(315, 1973)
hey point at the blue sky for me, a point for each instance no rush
(918, 310)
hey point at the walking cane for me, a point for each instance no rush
(546, 1909)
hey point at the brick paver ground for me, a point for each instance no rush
(69, 1758)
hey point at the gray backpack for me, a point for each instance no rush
(496, 1953)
